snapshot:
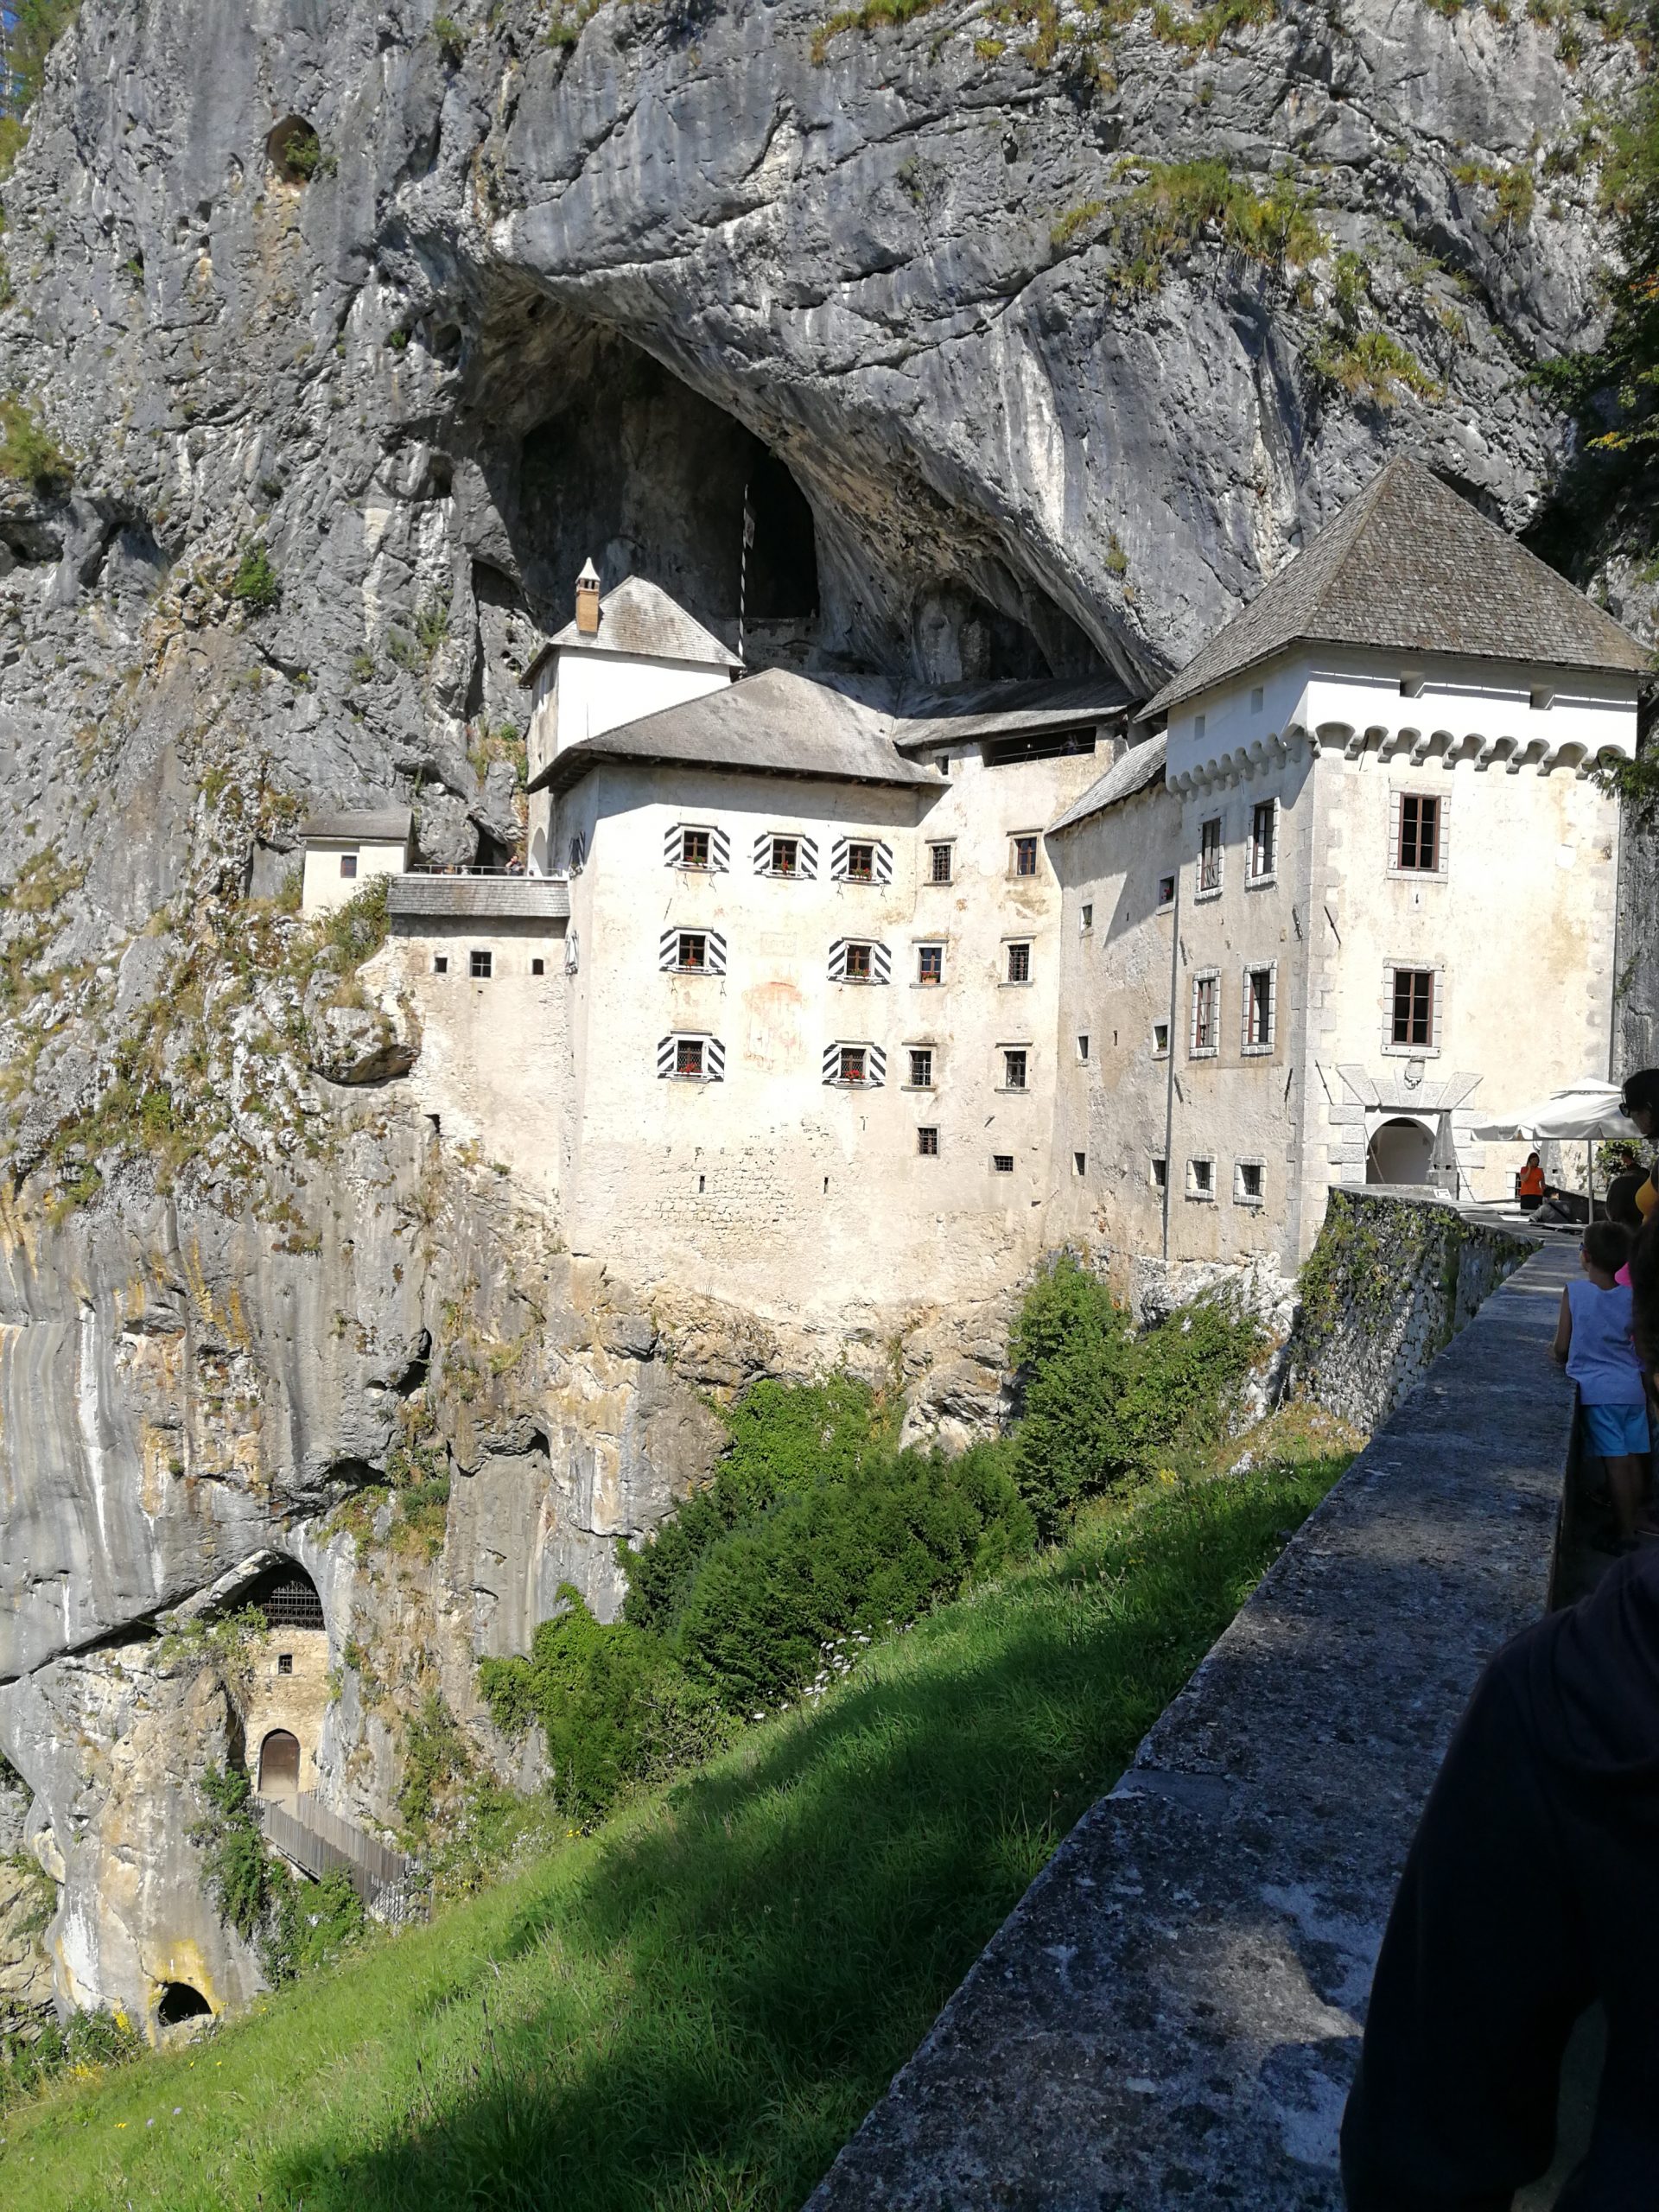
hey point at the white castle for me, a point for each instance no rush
(817, 1007)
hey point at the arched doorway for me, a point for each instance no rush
(179, 2002)
(1400, 1151)
(279, 1765)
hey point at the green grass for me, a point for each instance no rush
(693, 2007)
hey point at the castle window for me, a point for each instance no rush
(578, 853)
(539, 967)
(1001, 1163)
(1260, 990)
(1248, 1182)
(1201, 1180)
(921, 1067)
(1166, 891)
(860, 864)
(693, 952)
(1019, 963)
(1264, 840)
(856, 964)
(1080, 1162)
(688, 1058)
(785, 856)
(682, 1058)
(930, 963)
(694, 849)
(1160, 1040)
(287, 1597)
(1024, 855)
(1210, 857)
(927, 1143)
(1256, 696)
(1014, 1067)
(854, 1066)
(939, 863)
(1159, 1172)
(1419, 834)
(854, 1063)
(1087, 922)
(348, 864)
(1083, 1044)
(440, 964)
(1412, 1018)
(481, 963)
(284, 1662)
(1206, 1015)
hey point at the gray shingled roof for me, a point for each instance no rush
(776, 721)
(386, 825)
(477, 898)
(639, 618)
(1410, 566)
(1131, 772)
(1016, 709)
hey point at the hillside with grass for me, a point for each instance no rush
(715, 1937)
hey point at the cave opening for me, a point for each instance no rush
(179, 2002)
(287, 1597)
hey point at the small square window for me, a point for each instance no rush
(861, 863)
(1160, 1039)
(440, 964)
(930, 963)
(938, 864)
(1001, 1163)
(1166, 891)
(927, 1143)
(1018, 963)
(1200, 1178)
(539, 967)
(284, 1662)
(1264, 840)
(1080, 1163)
(687, 1056)
(1210, 854)
(785, 856)
(1013, 1067)
(855, 964)
(482, 964)
(1025, 855)
(921, 1067)
(693, 952)
(694, 849)
(1247, 1182)
(1088, 914)
(1083, 1044)
(348, 864)
(1159, 1173)
(853, 1063)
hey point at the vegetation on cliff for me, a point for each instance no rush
(695, 2004)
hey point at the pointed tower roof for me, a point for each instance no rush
(1410, 566)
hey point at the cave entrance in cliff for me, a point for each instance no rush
(287, 1597)
(639, 472)
(179, 2002)
(279, 1765)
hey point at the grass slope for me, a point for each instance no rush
(694, 2006)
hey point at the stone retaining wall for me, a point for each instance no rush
(1170, 2017)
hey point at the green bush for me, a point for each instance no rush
(89, 2040)
(311, 1922)
(28, 452)
(235, 1868)
(1099, 1402)
(256, 583)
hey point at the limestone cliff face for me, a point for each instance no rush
(358, 328)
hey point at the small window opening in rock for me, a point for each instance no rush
(539, 967)
(1002, 1163)
(284, 1662)
(1080, 1161)
(437, 1125)
(294, 150)
(179, 2002)
(700, 1185)
(440, 964)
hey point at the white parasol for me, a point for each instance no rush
(1586, 1110)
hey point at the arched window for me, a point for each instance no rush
(287, 1597)
(279, 1765)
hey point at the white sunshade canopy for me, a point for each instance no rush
(1585, 1110)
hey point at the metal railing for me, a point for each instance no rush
(318, 1841)
(470, 868)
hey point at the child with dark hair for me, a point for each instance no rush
(1593, 1342)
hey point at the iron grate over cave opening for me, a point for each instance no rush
(287, 1598)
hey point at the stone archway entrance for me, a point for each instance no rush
(279, 1766)
(1400, 1151)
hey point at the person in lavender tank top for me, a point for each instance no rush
(1593, 1342)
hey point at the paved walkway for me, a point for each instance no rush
(1170, 2017)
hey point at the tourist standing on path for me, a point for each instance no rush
(1529, 1185)
(1593, 1342)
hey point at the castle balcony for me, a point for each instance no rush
(479, 895)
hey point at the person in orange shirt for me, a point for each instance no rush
(1529, 1185)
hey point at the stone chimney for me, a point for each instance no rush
(588, 601)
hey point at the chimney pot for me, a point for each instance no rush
(588, 601)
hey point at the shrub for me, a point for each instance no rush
(254, 583)
(235, 1867)
(311, 1922)
(1177, 203)
(437, 1759)
(28, 452)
